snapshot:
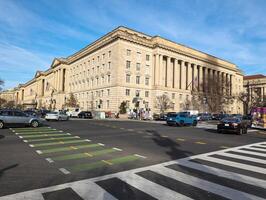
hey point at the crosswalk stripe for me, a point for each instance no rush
(243, 158)
(234, 164)
(224, 173)
(258, 149)
(205, 185)
(250, 152)
(152, 189)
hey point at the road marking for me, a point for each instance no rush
(164, 136)
(117, 149)
(101, 144)
(43, 135)
(180, 139)
(75, 141)
(31, 145)
(25, 141)
(224, 147)
(200, 142)
(49, 160)
(248, 158)
(39, 151)
(87, 154)
(140, 132)
(63, 170)
(72, 147)
(52, 139)
(130, 129)
(140, 156)
(250, 152)
(122, 128)
(107, 162)
(20, 137)
(38, 132)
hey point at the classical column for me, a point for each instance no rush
(230, 85)
(169, 72)
(157, 70)
(218, 79)
(200, 78)
(189, 76)
(183, 75)
(206, 79)
(176, 74)
(161, 70)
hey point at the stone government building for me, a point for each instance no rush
(124, 64)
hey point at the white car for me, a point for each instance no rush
(56, 115)
(74, 113)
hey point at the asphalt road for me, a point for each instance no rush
(83, 149)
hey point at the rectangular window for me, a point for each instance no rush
(137, 79)
(147, 57)
(138, 66)
(128, 52)
(138, 55)
(127, 92)
(147, 81)
(128, 64)
(107, 104)
(103, 67)
(127, 78)
(109, 65)
(109, 54)
(98, 58)
(146, 93)
(173, 95)
(103, 56)
(137, 93)
(180, 97)
(108, 92)
(109, 78)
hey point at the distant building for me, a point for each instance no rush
(124, 64)
(256, 85)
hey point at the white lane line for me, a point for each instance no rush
(20, 137)
(101, 144)
(155, 190)
(60, 131)
(139, 156)
(234, 164)
(31, 145)
(64, 171)
(68, 134)
(25, 141)
(16, 133)
(117, 149)
(39, 151)
(130, 129)
(243, 157)
(50, 160)
(88, 140)
(77, 137)
(249, 152)
(205, 185)
(257, 149)
(223, 173)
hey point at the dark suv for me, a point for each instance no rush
(17, 117)
(233, 124)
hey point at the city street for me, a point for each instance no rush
(108, 159)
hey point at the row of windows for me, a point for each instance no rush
(91, 71)
(128, 77)
(138, 55)
(91, 95)
(95, 104)
(82, 66)
(138, 66)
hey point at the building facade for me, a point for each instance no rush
(125, 64)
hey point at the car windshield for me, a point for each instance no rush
(172, 115)
(231, 120)
(53, 113)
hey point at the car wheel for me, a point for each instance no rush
(182, 123)
(2, 125)
(219, 131)
(35, 124)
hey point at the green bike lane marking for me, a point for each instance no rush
(98, 164)
(52, 139)
(43, 135)
(41, 132)
(83, 155)
(70, 148)
(30, 129)
(58, 143)
(34, 130)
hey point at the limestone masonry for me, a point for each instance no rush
(124, 64)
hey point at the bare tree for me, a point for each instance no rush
(71, 101)
(249, 101)
(213, 97)
(163, 103)
(1, 84)
(2, 102)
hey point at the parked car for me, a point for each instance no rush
(31, 112)
(232, 124)
(17, 117)
(73, 113)
(204, 116)
(56, 115)
(181, 119)
(160, 116)
(85, 114)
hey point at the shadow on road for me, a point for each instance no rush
(2, 137)
(173, 148)
(7, 168)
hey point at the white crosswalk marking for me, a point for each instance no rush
(89, 189)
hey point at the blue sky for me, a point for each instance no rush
(32, 32)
